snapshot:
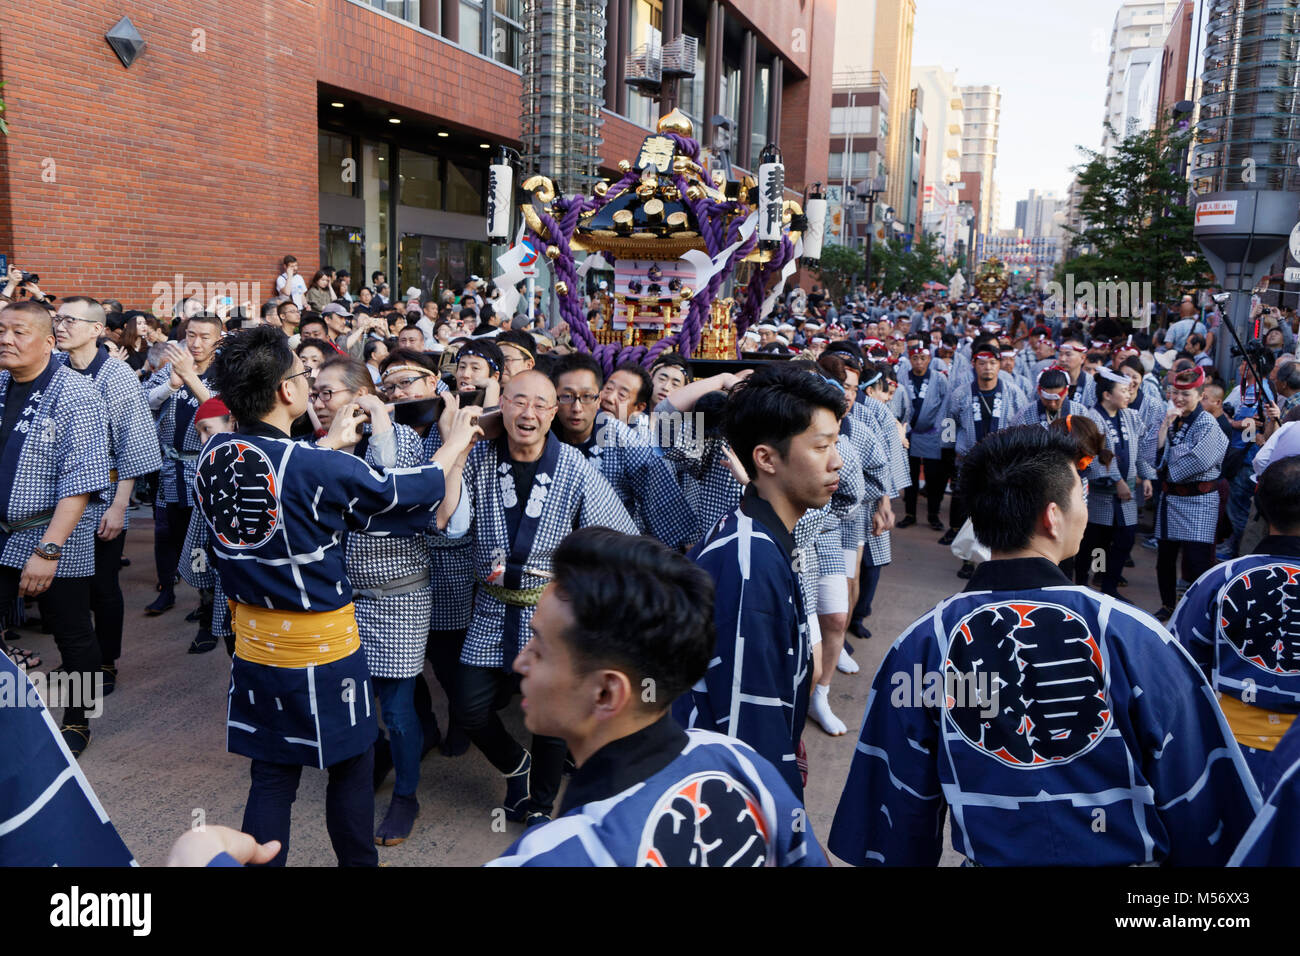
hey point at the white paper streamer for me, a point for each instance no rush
(512, 273)
(593, 261)
(786, 272)
(706, 268)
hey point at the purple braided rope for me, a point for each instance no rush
(757, 289)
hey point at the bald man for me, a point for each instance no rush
(527, 490)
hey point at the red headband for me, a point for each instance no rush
(1074, 347)
(212, 408)
(1194, 384)
(985, 354)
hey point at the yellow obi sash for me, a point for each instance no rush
(293, 638)
(1254, 726)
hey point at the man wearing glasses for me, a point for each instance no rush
(53, 460)
(643, 481)
(132, 453)
(175, 393)
(1070, 357)
(527, 490)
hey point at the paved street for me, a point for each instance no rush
(158, 759)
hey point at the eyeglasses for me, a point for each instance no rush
(399, 384)
(61, 319)
(326, 395)
(588, 399)
(290, 378)
(521, 403)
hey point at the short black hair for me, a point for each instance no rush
(1053, 379)
(1104, 384)
(647, 389)
(577, 362)
(314, 320)
(674, 359)
(403, 356)
(487, 350)
(520, 340)
(1011, 477)
(249, 368)
(639, 607)
(1278, 495)
(773, 405)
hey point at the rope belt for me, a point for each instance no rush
(408, 584)
(293, 638)
(174, 455)
(516, 597)
(35, 521)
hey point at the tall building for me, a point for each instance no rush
(359, 133)
(1179, 64)
(892, 58)
(942, 108)
(1036, 217)
(859, 125)
(1136, 46)
(981, 117)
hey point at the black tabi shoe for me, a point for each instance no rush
(202, 643)
(536, 818)
(860, 630)
(936, 524)
(517, 790)
(967, 569)
(165, 601)
(1164, 614)
(398, 821)
(906, 522)
(77, 737)
(1130, 563)
(193, 616)
(110, 678)
(949, 537)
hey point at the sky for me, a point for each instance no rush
(1049, 56)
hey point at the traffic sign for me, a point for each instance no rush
(1291, 277)
(1295, 242)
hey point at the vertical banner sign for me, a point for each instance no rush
(815, 234)
(501, 178)
(771, 194)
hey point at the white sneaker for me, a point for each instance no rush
(819, 709)
(846, 664)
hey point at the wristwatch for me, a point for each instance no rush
(48, 550)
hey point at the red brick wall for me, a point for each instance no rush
(424, 73)
(199, 163)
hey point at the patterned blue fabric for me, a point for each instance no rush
(197, 568)
(132, 435)
(1192, 453)
(925, 427)
(966, 409)
(393, 627)
(178, 438)
(567, 494)
(49, 815)
(1274, 837)
(756, 687)
(58, 449)
(1084, 709)
(718, 804)
(1240, 621)
(1125, 436)
(451, 567)
(643, 481)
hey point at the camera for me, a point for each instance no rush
(1261, 358)
(1221, 298)
(31, 277)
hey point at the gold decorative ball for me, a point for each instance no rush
(562, 288)
(686, 293)
(601, 188)
(695, 193)
(624, 165)
(552, 252)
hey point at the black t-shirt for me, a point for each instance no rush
(15, 402)
(985, 423)
(523, 472)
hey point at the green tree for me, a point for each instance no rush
(839, 264)
(898, 271)
(1138, 225)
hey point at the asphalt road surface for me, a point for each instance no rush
(158, 758)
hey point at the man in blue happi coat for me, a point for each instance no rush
(1059, 725)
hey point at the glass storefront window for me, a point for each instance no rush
(692, 91)
(465, 189)
(334, 173)
(758, 126)
(421, 180)
(471, 25)
(434, 264)
(378, 200)
(507, 33)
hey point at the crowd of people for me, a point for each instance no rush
(669, 567)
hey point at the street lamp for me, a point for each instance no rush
(869, 191)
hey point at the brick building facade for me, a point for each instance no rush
(226, 143)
